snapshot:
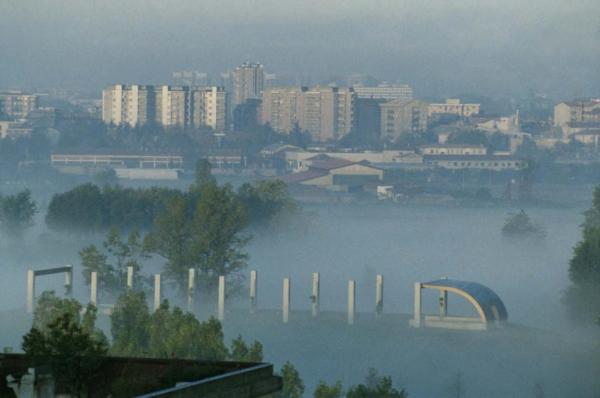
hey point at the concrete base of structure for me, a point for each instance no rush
(450, 322)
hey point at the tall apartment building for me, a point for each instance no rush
(248, 82)
(385, 91)
(327, 113)
(169, 106)
(454, 107)
(401, 117)
(17, 105)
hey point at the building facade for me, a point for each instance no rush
(168, 106)
(327, 113)
(400, 117)
(248, 82)
(576, 114)
(17, 105)
(454, 107)
(387, 92)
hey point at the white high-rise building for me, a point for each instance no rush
(387, 92)
(168, 106)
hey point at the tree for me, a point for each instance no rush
(325, 391)
(241, 352)
(16, 213)
(172, 240)
(375, 387)
(521, 224)
(265, 200)
(173, 333)
(129, 253)
(69, 344)
(293, 386)
(203, 174)
(218, 243)
(130, 321)
(49, 307)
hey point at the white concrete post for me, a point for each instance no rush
(351, 301)
(69, 280)
(157, 293)
(191, 286)
(129, 278)
(286, 300)
(379, 295)
(417, 319)
(253, 281)
(443, 303)
(221, 303)
(30, 291)
(316, 289)
(94, 289)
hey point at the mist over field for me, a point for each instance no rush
(406, 244)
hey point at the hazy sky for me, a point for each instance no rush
(441, 47)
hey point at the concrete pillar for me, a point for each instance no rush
(351, 301)
(30, 291)
(69, 281)
(443, 303)
(286, 300)
(129, 278)
(221, 303)
(191, 287)
(253, 282)
(94, 289)
(157, 293)
(316, 289)
(417, 318)
(379, 295)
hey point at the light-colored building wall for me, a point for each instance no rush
(456, 149)
(248, 82)
(454, 107)
(327, 113)
(400, 117)
(18, 105)
(385, 91)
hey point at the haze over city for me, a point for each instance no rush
(442, 48)
(296, 199)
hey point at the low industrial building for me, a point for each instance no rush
(453, 149)
(127, 166)
(485, 162)
(454, 107)
(336, 174)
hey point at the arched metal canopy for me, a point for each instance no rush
(487, 303)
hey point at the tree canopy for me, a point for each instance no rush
(16, 213)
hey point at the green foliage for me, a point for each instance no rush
(72, 354)
(582, 297)
(470, 137)
(106, 177)
(175, 334)
(203, 174)
(293, 386)
(326, 391)
(125, 253)
(375, 387)
(521, 224)
(16, 213)
(240, 351)
(130, 321)
(89, 208)
(49, 307)
(265, 200)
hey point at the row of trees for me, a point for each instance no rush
(72, 348)
(375, 386)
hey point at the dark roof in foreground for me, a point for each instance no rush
(486, 297)
(150, 377)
